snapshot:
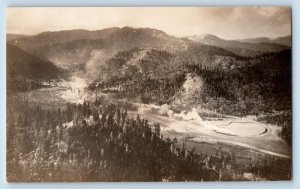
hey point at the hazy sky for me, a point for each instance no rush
(225, 22)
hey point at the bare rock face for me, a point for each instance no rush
(190, 89)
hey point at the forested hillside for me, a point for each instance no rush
(25, 70)
(99, 142)
(256, 83)
(230, 84)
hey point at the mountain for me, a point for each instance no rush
(286, 40)
(206, 38)
(49, 38)
(142, 36)
(242, 48)
(22, 65)
(73, 48)
(256, 40)
(232, 77)
(10, 37)
(137, 60)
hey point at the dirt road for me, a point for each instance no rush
(192, 131)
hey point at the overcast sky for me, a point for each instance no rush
(225, 22)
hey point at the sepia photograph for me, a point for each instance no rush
(148, 94)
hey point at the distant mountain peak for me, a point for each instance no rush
(284, 40)
(152, 31)
(204, 36)
(209, 36)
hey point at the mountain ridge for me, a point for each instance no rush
(239, 47)
(283, 40)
